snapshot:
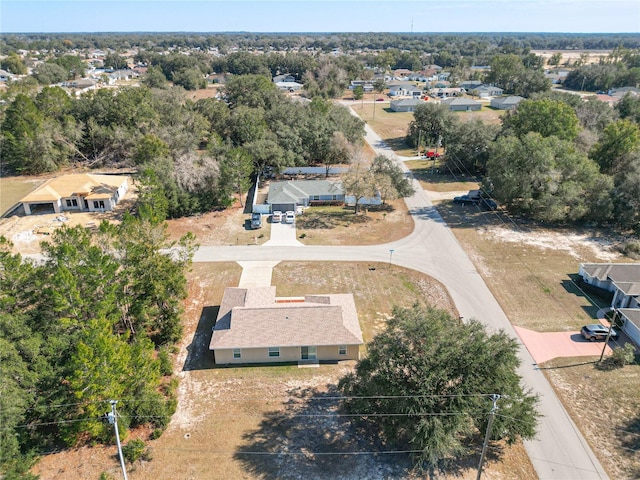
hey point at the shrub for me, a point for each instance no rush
(632, 249)
(135, 450)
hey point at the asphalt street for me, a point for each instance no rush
(559, 451)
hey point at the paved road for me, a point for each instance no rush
(559, 451)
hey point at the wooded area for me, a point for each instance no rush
(94, 321)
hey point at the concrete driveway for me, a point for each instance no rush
(548, 345)
(283, 234)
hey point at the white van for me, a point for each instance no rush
(289, 217)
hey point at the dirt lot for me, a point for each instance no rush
(223, 412)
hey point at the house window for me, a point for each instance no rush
(95, 204)
(274, 351)
(237, 353)
(101, 204)
(342, 350)
(72, 202)
(314, 197)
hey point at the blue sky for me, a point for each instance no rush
(601, 16)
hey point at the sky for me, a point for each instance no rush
(571, 16)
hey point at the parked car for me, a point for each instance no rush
(289, 217)
(465, 200)
(488, 204)
(276, 216)
(380, 100)
(431, 154)
(597, 331)
(256, 220)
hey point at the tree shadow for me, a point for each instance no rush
(199, 357)
(398, 143)
(305, 437)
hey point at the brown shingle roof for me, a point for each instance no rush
(251, 318)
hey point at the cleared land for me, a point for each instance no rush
(340, 226)
(223, 412)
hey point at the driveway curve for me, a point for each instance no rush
(559, 451)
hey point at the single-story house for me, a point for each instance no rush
(506, 103)
(82, 192)
(444, 92)
(486, 91)
(623, 280)
(255, 326)
(285, 196)
(470, 84)
(406, 104)
(289, 86)
(367, 85)
(404, 89)
(631, 323)
(5, 76)
(284, 78)
(461, 104)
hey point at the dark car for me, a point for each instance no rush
(465, 200)
(380, 100)
(488, 204)
(256, 220)
(597, 332)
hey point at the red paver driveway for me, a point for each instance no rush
(545, 346)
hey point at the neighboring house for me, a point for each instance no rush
(404, 90)
(406, 104)
(444, 92)
(289, 195)
(255, 326)
(284, 78)
(367, 85)
(486, 91)
(81, 192)
(623, 281)
(289, 86)
(5, 76)
(506, 103)
(461, 104)
(402, 73)
(470, 84)
(631, 323)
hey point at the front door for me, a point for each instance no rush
(308, 353)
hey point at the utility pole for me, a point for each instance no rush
(606, 342)
(495, 397)
(113, 420)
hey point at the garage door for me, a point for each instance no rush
(283, 207)
(41, 208)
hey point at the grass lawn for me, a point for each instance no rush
(606, 407)
(391, 126)
(337, 225)
(431, 180)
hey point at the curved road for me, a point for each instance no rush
(559, 450)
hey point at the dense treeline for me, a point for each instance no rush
(557, 158)
(92, 322)
(199, 154)
(467, 43)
